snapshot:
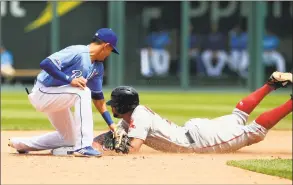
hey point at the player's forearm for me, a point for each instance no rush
(100, 105)
(135, 145)
(53, 70)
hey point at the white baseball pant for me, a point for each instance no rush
(239, 62)
(274, 58)
(155, 61)
(224, 134)
(270, 58)
(207, 57)
(71, 130)
(7, 70)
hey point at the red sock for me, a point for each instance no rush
(271, 118)
(251, 101)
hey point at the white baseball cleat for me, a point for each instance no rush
(62, 151)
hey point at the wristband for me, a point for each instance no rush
(107, 118)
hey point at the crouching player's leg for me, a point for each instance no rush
(72, 131)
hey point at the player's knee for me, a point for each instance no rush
(256, 138)
(84, 92)
(242, 116)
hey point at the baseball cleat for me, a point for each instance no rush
(87, 152)
(279, 79)
(10, 144)
(62, 151)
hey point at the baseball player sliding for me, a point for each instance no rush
(223, 134)
(70, 78)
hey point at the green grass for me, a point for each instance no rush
(275, 167)
(18, 114)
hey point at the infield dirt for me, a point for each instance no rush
(147, 167)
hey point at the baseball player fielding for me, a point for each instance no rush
(71, 77)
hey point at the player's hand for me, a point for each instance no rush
(118, 134)
(79, 82)
(113, 127)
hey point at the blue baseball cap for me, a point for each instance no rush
(109, 36)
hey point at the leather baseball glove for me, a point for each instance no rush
(118, 141)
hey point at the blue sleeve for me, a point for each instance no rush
(10, 58)
(64, 57)
(95, 84)
(7, 58)
(233, 42)
(48, 66)
(270, 42)
(276, 43)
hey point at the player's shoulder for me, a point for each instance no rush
(76, 49)
(6, 53)
(141, 117)
(141, 110)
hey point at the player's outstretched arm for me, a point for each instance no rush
(95, 85)
(100, 105)
(135, 145)
(108, 144)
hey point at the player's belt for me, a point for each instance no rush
(191, 141)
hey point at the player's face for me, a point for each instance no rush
(106, 50)
(115, 114)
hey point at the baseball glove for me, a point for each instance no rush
(120, 143)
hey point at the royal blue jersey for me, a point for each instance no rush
(6, 58)
(158, 40)
(270, 42)
(75, 62)
(238, 41)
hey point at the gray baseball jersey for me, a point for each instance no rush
(157, 132)
(223, 134)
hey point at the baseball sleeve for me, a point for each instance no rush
(64, 57)
(95, 84)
